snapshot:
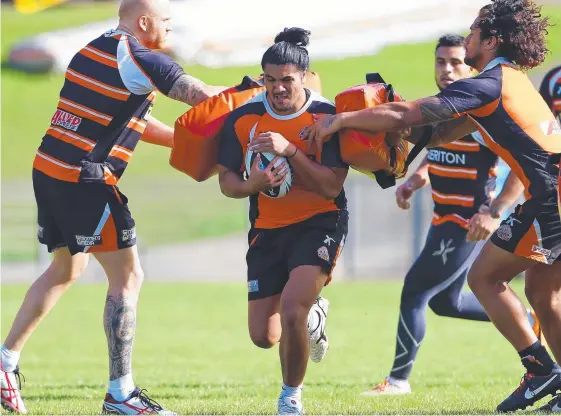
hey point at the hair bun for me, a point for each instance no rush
(294, 35)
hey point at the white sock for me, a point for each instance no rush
(121, 387)
(397, 382)
(314, 320)
(292, 392)
(9, 359)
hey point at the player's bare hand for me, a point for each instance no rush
(273, 143)
(322, 130)
(260, 180)
(482, 225)
(402, 195)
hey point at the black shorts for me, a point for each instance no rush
(85, 217)
(274, 253)
(537, 237)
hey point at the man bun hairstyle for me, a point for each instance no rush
(289, 49)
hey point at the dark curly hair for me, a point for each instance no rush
(519, 28)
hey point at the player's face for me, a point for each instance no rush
(159, 30)
(474, 46)
(285, 87)
(449, 65)
(158, 26)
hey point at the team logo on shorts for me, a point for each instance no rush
(323, 253)
(253, 286)
(39, 231)
(504, 232)
(66, 120)
(127, 235)
(88, 240)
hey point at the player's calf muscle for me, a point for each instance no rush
(120, 328)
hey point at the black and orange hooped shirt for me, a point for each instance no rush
(463, 177)
(515, 123)
(109, 90)
(255, 117)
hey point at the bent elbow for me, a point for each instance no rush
(330, 193)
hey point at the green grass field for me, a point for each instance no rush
(193, 354)
(169, 207)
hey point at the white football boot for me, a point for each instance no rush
(290, 406)
(389, 387)
(10, 386)
(137, 403)
(319, 343)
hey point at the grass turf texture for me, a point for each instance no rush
(168, 206)
(193, 353)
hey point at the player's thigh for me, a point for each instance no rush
(495, 267)
(319, 242)
(264, 321)
(122, 268)
(444, 259)
(543, 285)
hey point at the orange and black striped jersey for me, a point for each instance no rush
(515, 123)
(550, 89)
(462, 176)
(255, 117)
(109, 90)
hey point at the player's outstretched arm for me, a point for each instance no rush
(192, 91)
(443, 132)
(158, 133)
(429, 112)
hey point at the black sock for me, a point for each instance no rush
(536, 359)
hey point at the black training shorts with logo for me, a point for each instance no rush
(85, 217)
(273, 253)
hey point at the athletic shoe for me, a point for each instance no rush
(10, 386)
(319, 344)
(554, 406)
(532, 388)
(387, 387)
(290, 406)
(536, 327)
(137, 403)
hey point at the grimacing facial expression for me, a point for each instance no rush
(285, 87)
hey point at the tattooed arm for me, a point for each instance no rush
(428, 111)
(192, 91)
(443, 132)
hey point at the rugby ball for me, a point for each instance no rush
(266, 158)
